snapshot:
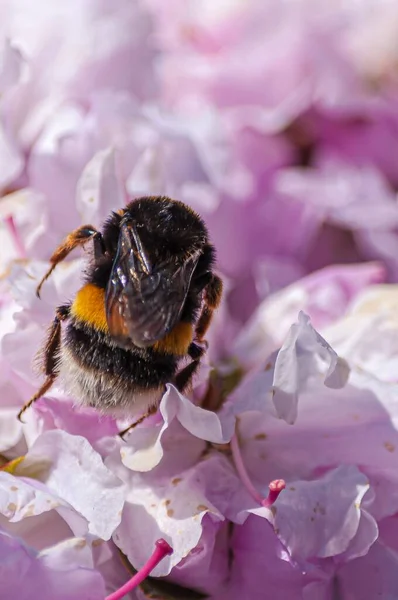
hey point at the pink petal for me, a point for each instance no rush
(146, 447)
(77, 474)
(324, 295)
(201, 423)
(60, 573)
(373, 576)
(299, 359)
(320, 518)
(11, 62)
(259, 569)
(98, 189)
(60, 413)
(169, 508)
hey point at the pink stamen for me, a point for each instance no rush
(243, 474)
(161, 550)
(15, 236)
(275, 487)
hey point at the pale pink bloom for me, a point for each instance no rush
(61, 572)
(277, 122)
(324, 295)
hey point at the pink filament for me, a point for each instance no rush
(275, 487)
(15, 236)
(243, 474)
(161, 550)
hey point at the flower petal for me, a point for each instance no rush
(77, 474)
(62, 572)
(98, 189)
(320, 518)
(170, 508)
(304, 354)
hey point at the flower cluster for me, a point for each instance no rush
(278, 122)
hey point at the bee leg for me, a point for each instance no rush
(149, 413)
(50, 356)
(76, 238)
(183, 379)
(195, 351)
(46, 386)
(212, 299)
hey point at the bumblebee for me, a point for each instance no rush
(147, 301)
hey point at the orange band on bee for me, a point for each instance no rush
(177, 341)
(89, 307)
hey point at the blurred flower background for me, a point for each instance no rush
(277, 121)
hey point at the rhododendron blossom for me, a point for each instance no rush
(276, 475)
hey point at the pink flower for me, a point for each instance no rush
(276, 475)
(62, 572)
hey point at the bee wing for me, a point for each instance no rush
(143, 303)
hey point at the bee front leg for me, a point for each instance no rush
(76, 238)
(195, 351)
(182, 382)
(183, 379)
(212, 299)
(50, 353)
(149, 413)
